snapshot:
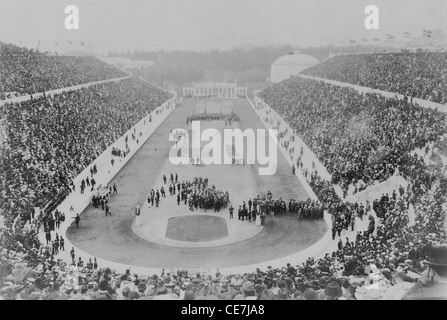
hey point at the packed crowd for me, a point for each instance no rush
(441, 145)
(336, 119)
(50, 140)
(227, 117)
(198, 195)
(360, 270)
(414, 74)
(357, 137)
(267, 205)
(28, 72)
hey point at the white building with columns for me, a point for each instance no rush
(215, 90)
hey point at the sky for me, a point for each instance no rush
(201, 25)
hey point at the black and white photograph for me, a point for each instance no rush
(223, 150)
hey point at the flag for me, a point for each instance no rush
(376, 39)
(426, 33)
(364, 40)
(407, 35)
(82, 44)
(69, 42)
(352, 41)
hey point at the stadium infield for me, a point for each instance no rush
(113, 237)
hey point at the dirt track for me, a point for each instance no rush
(112, 237)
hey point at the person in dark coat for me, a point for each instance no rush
(77, 220)
(231, 209)
(48, 236)
(104, 284)
(340, 244)
(61, 244)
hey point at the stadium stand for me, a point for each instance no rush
(25, 71)
(356, 136)
(52, 139)
(419, 74)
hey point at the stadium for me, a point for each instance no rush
(105, 194)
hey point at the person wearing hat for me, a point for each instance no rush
(280, 284)
(283, 294)
(322, 282)
(310, 294)
(104, 285)
(161, 290)
(189, 295)
(433, 281)
(332, 291)
(142, 289)
(270, 272)
(249, 292)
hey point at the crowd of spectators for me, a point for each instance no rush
(363, 269)
(26, 72)
(441, 145)
(50, 140)
(419, 74)
(357, 137)
(339, 125)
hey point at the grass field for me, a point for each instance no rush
(196, 228)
